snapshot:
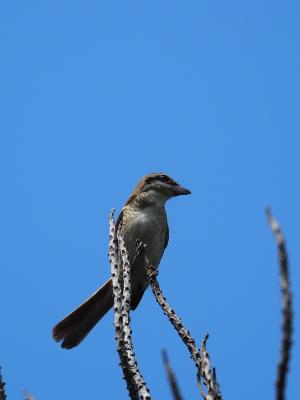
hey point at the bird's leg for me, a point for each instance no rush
(152, 272)
(140, 248)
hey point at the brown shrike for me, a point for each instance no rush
(143, 217)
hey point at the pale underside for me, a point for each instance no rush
(149, 225)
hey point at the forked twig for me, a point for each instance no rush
(140, 384)
(117, 294)
(120, 272)
(208, 374)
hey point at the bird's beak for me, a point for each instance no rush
(180, 190)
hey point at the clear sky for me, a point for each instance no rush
(94, 94)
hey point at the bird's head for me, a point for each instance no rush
(158, 187)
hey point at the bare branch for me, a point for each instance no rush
(173, 318)
(171, 377)
(121, 291)
(115, 266)
(2, 387)
(140, 384)
(208, 375)
(287, 314)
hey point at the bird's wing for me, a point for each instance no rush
(167, 236)
(119, 220)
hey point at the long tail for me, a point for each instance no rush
(74, 327)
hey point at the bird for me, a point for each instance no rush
(142, 218)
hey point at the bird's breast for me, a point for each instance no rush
(148, 225)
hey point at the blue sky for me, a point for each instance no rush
(93, 96)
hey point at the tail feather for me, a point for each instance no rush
(75, 326)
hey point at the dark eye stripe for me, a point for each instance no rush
(161, 178)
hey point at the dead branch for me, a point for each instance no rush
(174, 319)
(287, 313)
(143, 391)
(120, 272)
(117, 293)
(208, 375)
(171, 377)
(2, 387)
